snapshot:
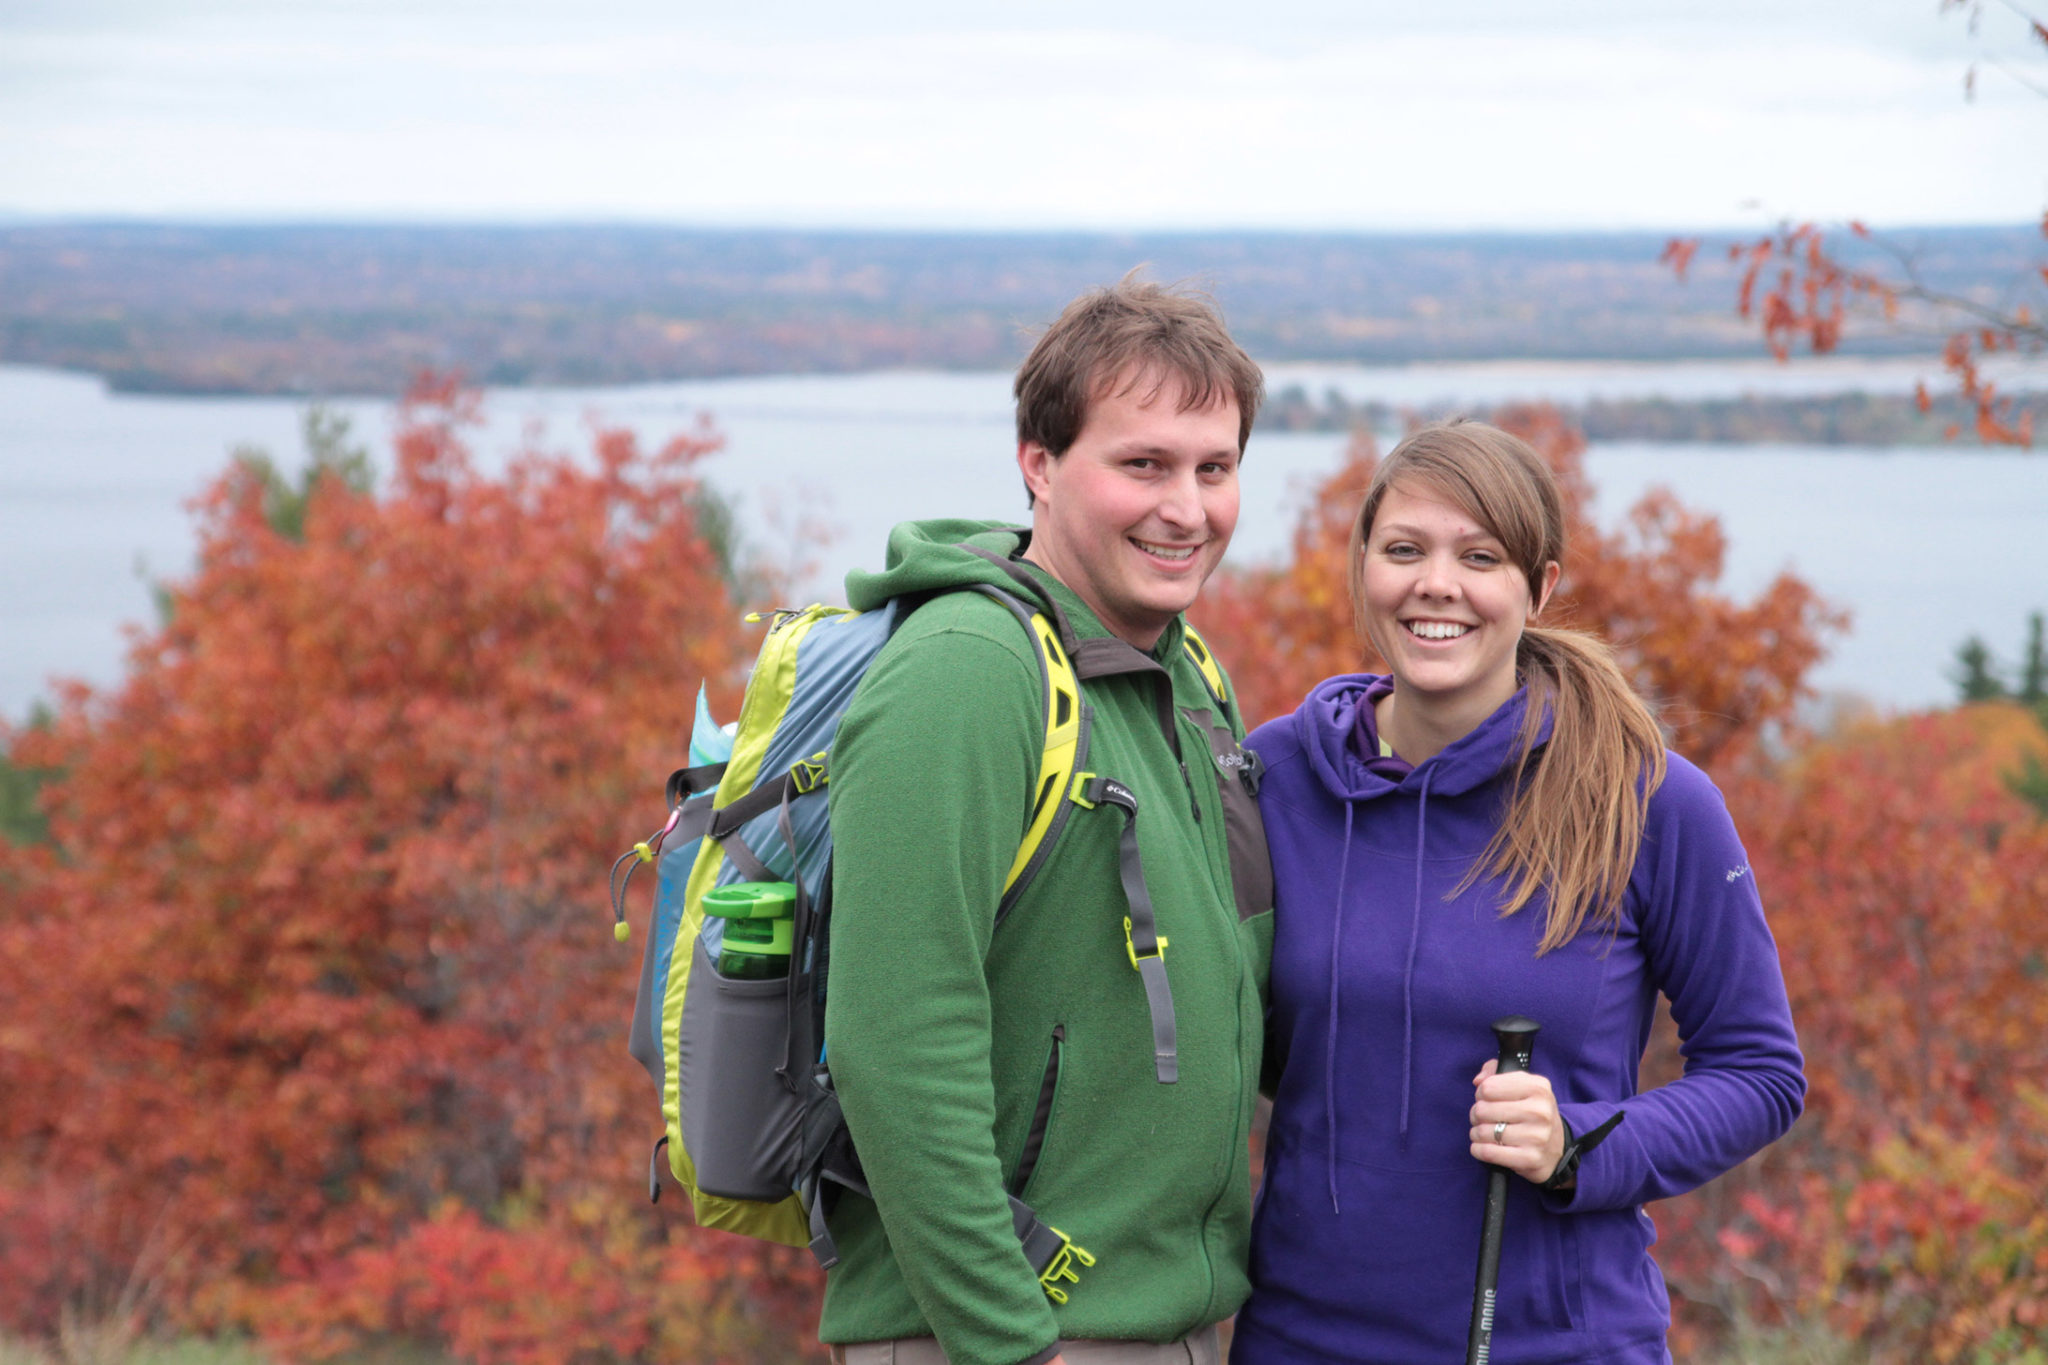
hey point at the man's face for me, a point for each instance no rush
(1136, 515)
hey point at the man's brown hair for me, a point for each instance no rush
(1132, 332)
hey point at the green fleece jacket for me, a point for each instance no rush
(943, 1029)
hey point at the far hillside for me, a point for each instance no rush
(332, 310)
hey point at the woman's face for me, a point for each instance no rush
(1443, 603)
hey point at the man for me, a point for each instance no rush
(977, 1060)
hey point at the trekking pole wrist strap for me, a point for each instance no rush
(1566, 1174)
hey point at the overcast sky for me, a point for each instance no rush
(1112, 113)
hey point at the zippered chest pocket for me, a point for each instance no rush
(1237, 781)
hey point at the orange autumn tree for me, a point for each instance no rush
(1904, 1212)
(310, 990)
(1718, 670)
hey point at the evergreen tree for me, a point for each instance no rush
(328, 453)
(2034, 665)
(1976, 672)
(21, 816)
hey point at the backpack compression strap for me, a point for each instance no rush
(1142, 942)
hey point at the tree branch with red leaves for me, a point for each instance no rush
(1800, 290)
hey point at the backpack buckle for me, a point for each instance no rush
(1061, 1270)
(1131, 947)
(809, 774)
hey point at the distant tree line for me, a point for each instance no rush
(330, 310)
(1857, 419)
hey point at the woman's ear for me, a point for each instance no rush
(1551, 572)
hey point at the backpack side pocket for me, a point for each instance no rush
(741, 1126)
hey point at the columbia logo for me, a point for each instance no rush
(1738, 873)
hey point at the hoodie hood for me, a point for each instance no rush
(935, 556)
(947, 554)
(1327, 719)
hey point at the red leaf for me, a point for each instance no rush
(1678, 254)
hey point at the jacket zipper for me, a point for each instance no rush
(1041, 1117)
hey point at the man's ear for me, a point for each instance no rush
(1034, 461)
(1551, 573)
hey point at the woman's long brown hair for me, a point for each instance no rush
(1574, 821)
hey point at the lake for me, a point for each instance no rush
(1925, 547)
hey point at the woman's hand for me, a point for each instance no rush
(1515, 1123)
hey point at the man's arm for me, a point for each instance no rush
(931, 774)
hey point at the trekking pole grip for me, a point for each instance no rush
(1516, 1038)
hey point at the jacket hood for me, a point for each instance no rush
(947, 554)
(934, 556)
(1327, 717)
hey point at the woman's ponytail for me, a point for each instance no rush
(1575, 822)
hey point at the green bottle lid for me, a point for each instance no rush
(769, 937)
(751, 900)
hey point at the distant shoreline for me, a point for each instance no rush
(1854, 418)
(310, 309)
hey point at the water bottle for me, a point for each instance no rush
(759, 931)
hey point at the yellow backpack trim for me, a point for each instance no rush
(767, 696)
(1062, 741)
(1197, 649)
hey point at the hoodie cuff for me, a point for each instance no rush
(1591, 1192)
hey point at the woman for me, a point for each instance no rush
(1493, 829)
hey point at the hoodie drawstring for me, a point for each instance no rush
(1408, 972)
(1330, 1042)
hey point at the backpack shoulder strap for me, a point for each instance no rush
(1064, 751)
(1197, 650)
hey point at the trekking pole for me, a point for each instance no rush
(1517, 1038)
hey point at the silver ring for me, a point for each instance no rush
(1498, 1129)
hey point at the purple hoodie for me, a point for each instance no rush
(1366, 1236)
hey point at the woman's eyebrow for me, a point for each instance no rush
(1417, 533)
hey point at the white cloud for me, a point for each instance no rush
(1551, 113)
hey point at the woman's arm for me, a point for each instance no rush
(1708, 949)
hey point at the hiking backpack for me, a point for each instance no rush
(752, 1127)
